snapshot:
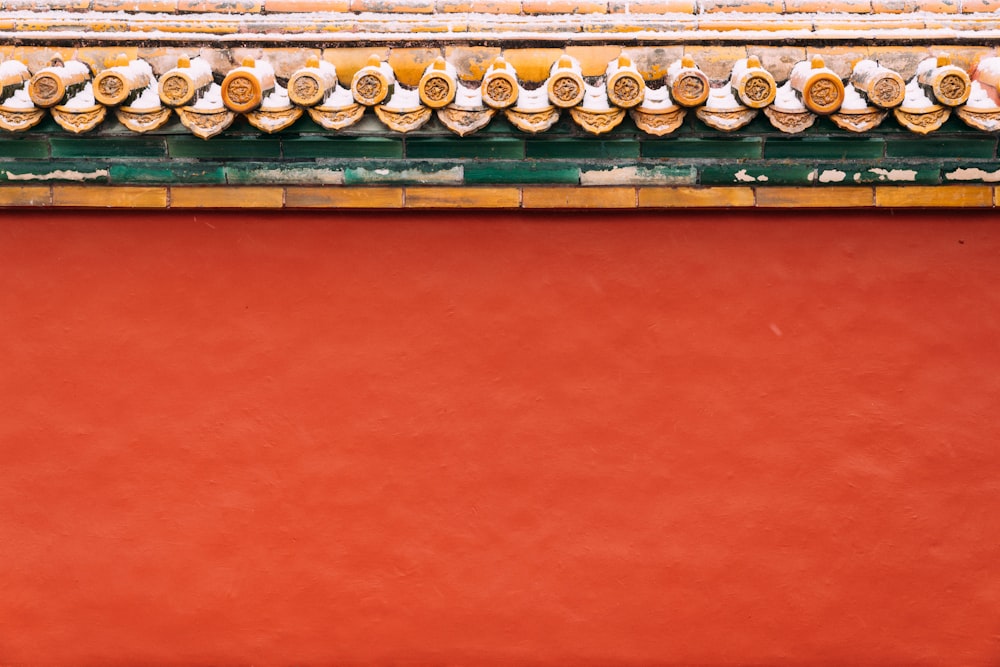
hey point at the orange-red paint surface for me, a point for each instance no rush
(467, 438)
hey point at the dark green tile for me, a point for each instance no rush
(500, 125)
(975, 146)
(224, 147)
(108, 147)
(896, 173)
(521, 172)
(632, 174)
(970, 173)
(470, 147)
(168, 172)
(75, 171)
(21, 147)
(342, 147)
(824, 148)
(691, 147)
(404, 173)
(563, 126)
(581, 148)
(285, 173)
(758, 174)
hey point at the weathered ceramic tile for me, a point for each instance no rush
(320, 146)
(824, 148)
(468, 147)
(106, 147)
(521, 172)
(689, 147)
(168, 172)
(583, 148)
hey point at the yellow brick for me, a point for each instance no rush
(652, 7)
(471, 62)
(653, 62)
(102, 196)
(686, 197)
(906, 6)
(602, 27)
(970, 6)
(777, 24)
(50, 5)
(532, 64)
(853, 25)
(716, 61)
(349, 60)
(572, 197)
(291, 6)
(565, 6)
(444, 26)
(594, 59)
(229, 7)
(903, 60)
(335, 197)
(778, 60)
(479, 6)
(841, 59)
(835, 6)
(973, 22)
(409, 63)
(830, 197)
(940, 196)
(96, 56)
(220, 27)
(164, 6)
(746, 6)
(459, 197)
(393, 6)
(25, 195)
(966, 57)
(226, 197)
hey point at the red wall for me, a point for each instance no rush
(721, 439)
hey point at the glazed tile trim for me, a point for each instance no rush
(532, 92)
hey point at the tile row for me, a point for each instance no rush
(402, 22)
(526, 197)
(532, 90)
(514, 7)
(502, 142)
(818, 175)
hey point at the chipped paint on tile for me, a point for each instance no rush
(299, 175)
(894, 175)
(743, 177)
(973, 174)
(382, 175)
(59, 175)
(832, 176)
(635, 175)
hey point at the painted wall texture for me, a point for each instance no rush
(719, 439)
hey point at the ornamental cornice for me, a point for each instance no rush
(270, 22)
(465, 87)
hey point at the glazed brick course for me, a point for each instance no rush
(694, 167)
(515, 7)
(549, 197)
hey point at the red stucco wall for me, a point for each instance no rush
(478, 438)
